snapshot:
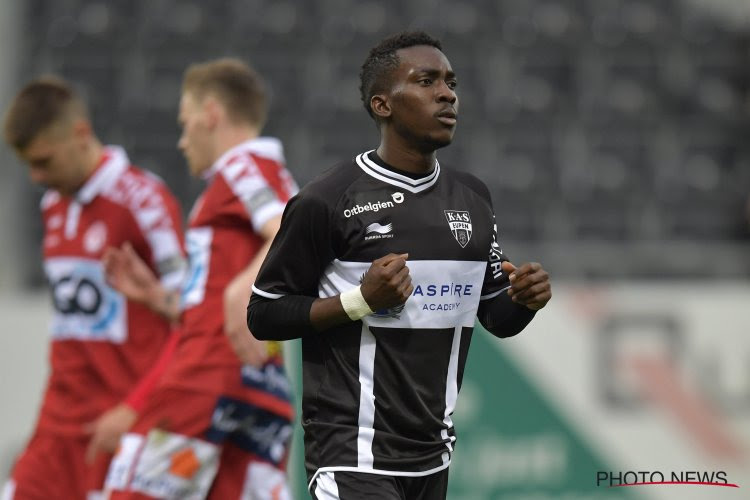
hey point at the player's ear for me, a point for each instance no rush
(212, 111)
(380, 105)
(81, 132)
(81, 128)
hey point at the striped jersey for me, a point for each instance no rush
(379, 393)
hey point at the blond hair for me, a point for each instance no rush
(234, 83)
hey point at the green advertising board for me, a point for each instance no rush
(512, 443)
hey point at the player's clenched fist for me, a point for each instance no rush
(529, 284)
(387, 282)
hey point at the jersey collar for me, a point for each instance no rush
(267, 147)
(390, 177)
(114, 163)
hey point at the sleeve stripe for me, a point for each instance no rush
(267, 295)
(493, 294)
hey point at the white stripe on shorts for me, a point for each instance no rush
(326, 487)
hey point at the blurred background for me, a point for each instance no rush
(614, 136)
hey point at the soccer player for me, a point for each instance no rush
(102, 345)
(219, 422)
(384, 343)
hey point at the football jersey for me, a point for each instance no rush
(247, 186)
(101, 343)
(379, 393)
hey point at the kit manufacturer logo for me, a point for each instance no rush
(377, 231)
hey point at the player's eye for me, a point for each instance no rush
(452, 84)
(425, 81)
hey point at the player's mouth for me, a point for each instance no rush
(447, 116)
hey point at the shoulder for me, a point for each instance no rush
(137, 190)
(332, 183)
(245, 172)
(470, 182)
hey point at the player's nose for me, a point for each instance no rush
(446, 94)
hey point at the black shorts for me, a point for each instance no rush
(344, 485)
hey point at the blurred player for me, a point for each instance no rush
(102, 344)
(219, 424)
(384, 344)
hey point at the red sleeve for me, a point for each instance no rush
(141, 392)
(158, 218)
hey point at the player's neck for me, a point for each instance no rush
(233, 135)
(91, 159)
(405, 157)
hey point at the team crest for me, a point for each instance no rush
(460, 224)
(95, 237)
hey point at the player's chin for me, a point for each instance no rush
(441, 138)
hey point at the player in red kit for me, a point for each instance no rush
(103, 345)
(219, 423)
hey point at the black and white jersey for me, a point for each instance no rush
(379, 393)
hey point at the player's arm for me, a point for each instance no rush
(127, 273)
(507, 313)
(285, 303)
(385, 284)
(162, 245)
(249, 349)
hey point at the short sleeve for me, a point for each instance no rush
(159, 220)
(300, 251)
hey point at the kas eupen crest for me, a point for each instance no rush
(460, 224)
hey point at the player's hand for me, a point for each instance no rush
(249, 349)
(126, 272)
(529, 284)
(387, 282)
(106, 430)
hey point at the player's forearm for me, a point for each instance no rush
(247, 276)
(502, 317)
(284, 318)
(294, 316)
(327, 313)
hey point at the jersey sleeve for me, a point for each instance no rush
(256, 198)
(158, 217)
(495, 280)
(300, 251)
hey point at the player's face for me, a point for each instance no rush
(424, 105)
(194, 141)
(55, 159)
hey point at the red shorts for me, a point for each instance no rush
(53, 466)
(189, 444)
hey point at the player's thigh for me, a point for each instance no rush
(166, 454)
(242, 476)
(430, 487)
(51, 466)
(344, 485)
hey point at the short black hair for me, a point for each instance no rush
(382, 60)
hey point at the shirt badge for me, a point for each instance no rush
(460, 224)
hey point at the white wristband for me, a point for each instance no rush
(354, 303)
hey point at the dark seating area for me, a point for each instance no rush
(598, 120)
